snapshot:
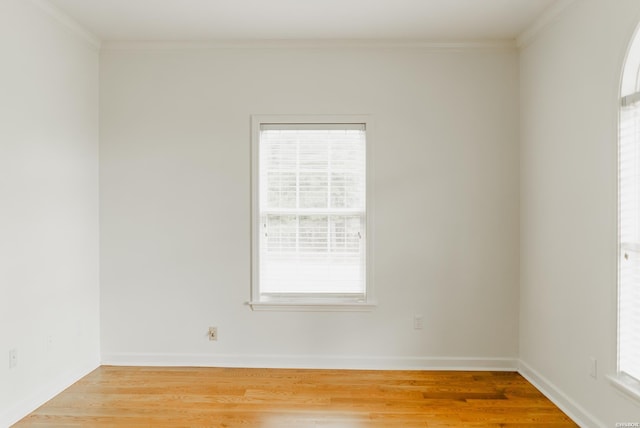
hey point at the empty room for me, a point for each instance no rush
(337, 213)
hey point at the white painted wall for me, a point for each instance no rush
(569, 96)
(48, 207)
(175, 211)
(175, 214)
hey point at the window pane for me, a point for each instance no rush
(629, 236)
(629, 313)
(323, 258)
(346, 236)
(280, 232)
(313, 189)
(347, 190)
(313, 235)
(313, 149)
(305, 175)
(281, 189)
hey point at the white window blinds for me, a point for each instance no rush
(312, 210)
(629, 239)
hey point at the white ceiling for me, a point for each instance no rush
(206, 20)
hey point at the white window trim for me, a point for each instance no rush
(311, 304)
(626, 384)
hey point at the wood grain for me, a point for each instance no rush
(265, 398)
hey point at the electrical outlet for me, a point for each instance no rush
(418, 322)
(593, 367)
(13, 358)
(213, 333)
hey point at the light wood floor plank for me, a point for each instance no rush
(265, 398)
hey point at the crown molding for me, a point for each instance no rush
(310, 44)
(524, 39)
(549, 16)
(71, 24)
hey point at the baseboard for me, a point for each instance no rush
(578, 414)
(310, 362)
(45, 393)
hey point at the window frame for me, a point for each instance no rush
(305, 302)
(628, 93)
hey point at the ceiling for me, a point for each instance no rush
(206, 20)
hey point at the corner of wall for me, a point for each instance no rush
(45, 393)
(550, 15)
(68, 23)
(572, 409)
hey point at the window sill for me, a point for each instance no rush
(311, 306)
(626, 384)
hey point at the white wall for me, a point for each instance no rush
(175, 214)
(48, 207)
(175, 211)
(569, 93)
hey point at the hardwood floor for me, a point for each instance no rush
(218, 397)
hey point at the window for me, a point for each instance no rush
(310, 217)
(629, 264)
(628, 375)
